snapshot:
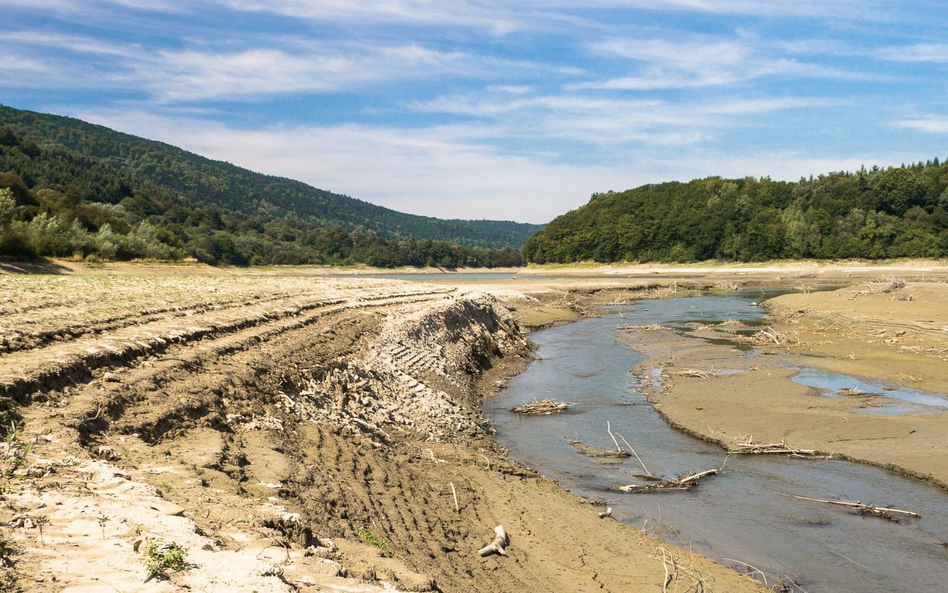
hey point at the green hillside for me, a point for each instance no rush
(76, 172)
(876, 213)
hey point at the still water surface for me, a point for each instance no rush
(739, 515)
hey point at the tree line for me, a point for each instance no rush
(871, 213)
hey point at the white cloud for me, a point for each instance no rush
(920, 52)
(677, 63)
(498, 19)
(596, 120)
(196, 75)
(19, 66)
(503, 17)
(935, 124)
(201, 74)
(74, 43)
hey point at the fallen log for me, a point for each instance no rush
(861, 507)
(499, 545)
(543, 407)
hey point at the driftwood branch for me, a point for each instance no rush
(636, 455)
(499, 545)
(747, 446)
(860, 507)
(609, 430)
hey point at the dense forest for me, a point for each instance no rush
(872, 213)
(77, 189)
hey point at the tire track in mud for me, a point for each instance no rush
(32, 340)
(340, 482)
(222, 358)
(24, 374)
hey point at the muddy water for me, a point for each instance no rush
(741, 515)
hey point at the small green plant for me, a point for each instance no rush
(166, 487)
(161, 557)
(370, 538)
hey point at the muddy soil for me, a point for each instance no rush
(859, 330)
(290, 433)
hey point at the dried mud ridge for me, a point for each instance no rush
(253, 427)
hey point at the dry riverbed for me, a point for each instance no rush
(297, 432)
(289, 433)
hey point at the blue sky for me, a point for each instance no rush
(491, 109)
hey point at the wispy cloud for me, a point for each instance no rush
(194, 75)
(673, 63)
(934, 124)
(587, 119)
(503, 17)
(919, 52)
(73, 43)
(494, 17)
(201, 74)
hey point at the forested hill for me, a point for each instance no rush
(193, 197)
(875, 213)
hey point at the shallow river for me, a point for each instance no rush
(740, 515)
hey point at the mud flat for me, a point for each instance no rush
(896, 338)
(290, 433)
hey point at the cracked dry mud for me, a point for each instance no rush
(292, 434)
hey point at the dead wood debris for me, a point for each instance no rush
(891, 285)
(682, 483)
(499, 545)
(747, 446)
(768, 336)
(542, 407)
(861, 508)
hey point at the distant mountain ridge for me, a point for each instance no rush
(163, 174)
